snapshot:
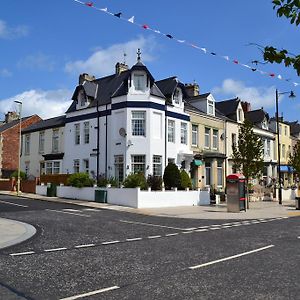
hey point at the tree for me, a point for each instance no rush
(294, 158)
(172, 176)
(185, 180)
(289, 9)
(248, 154)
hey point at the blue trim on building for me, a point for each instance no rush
(131, 104)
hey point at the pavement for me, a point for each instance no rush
(14, 232)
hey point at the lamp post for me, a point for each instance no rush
(20, 139)
(292, 95)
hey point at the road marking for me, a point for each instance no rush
(188, 231)
(235, 225)
(91, 209)
(227, 226)
(217, 225)
(55, 249)
(5, 202)
(255, 222)
(230, 257)
(133, 239)
(22, 253)
(69, 213)
(215, 228)
(172, 234)
(201, 230)
(91, 293)
(154, 236)
(71, 209)
(112, 242)
(192, 228)
(202, 227)
(85, 246)
(155, 225)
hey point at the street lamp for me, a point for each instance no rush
(20, 139)
(292, 95)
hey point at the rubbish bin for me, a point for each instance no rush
(101, 196)
(51, 190)
(297, 203)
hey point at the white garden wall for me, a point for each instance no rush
(134, 197)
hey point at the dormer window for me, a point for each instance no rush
(210, 107)
(139, 82)
(265, 125)
(177, 96)
(82, 99)
(239, 115)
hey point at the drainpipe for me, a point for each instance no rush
(106, 113)
(98, 131)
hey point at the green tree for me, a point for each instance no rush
(289, 9)
(185, 180)
(248, 154)
(172, 176)
(294, 158)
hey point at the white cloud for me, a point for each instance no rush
(46, 104)
(7, 32)
(5, 73)
(38, 61)
(257, 96)
(102, 61)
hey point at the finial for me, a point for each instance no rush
(124, 54)
(139, 55)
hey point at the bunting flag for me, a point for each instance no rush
(181, 41)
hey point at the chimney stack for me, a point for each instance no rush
(246, 106)
(192, 89)
(121, 67)
(11, 116)
(86, 77)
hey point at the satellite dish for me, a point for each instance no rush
(122, 132)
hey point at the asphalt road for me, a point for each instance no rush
(105, 254)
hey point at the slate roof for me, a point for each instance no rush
(189, 106)
(112, 86)
(11, 124)
(294, 128)
(256, 116)
(228, 107)
(46, 124)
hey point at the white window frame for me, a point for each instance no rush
(210, 107)
(195, 135)
(171, 131)
(139, 82)
(219, 173)
(177, 96)
(27, 144)
(157, 165)
(86, 132)
(41, 141)
(138, 123)
(138, 163)
(77, 133)
(51, 167)
(55, 140)
(215, 137)
(86, 165)
(76, 166)
(119, 167)
(207, 132)
(183, 133)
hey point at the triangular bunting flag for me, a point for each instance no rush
(131, 20)
(169, 36)
(118, 15)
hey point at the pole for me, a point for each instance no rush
(278, 151)
(20, 145)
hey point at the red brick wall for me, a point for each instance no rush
(10, 150)
(7, 185)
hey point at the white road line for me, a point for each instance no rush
(69, 213)
(56, 249)
(215, 228)
(230, 257)
(235, 225)
(22, 253)
(192, 228)
(5, 202)
(85, 246)
(91, 209)
(71, 209)
(201, 227)
(149, 224)
(188, 231)
(201, 230)
(111, 242)
(217, 225)
(255, 222)
(227, 226)
(154, 236)
(91, 293)
(133, 239)
(172, 234)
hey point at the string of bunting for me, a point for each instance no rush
(185, 42)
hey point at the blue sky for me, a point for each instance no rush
(45, 45)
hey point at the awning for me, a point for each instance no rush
(198, 162)
(53, 156)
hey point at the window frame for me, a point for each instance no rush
(215, 139)
(55, 140)
(195, 135)
(77, 133)
(183, 133)
(86, 132)
(207, 137)
(138, 124)
(171, 131)
(157, 165)
(41, 141)
(135, 164)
